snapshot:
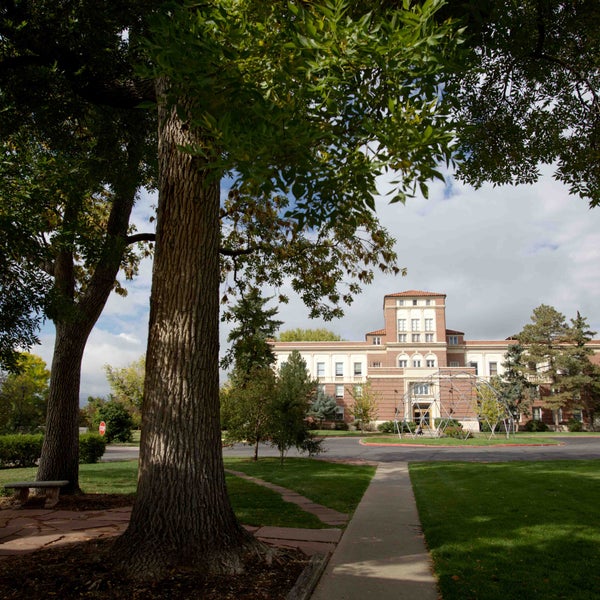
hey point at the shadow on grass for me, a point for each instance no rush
(512, 530)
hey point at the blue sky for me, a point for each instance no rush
(497, 252)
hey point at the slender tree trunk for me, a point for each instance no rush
(60, 450)
(182, 515)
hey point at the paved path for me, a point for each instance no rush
(382, 553)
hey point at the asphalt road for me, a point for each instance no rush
(350, 448)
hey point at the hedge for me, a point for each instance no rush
(24, 450)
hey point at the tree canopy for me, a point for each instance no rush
(530, 93)
(308, 335)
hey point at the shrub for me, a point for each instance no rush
(387, 427)
(575, 425)
(341, 426)
(119, 422)
(20, 450)
(535, 425)
(457, 432)
(446, 422)
(91, 448)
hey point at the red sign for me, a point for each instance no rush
(102, 428)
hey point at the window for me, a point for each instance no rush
(402, 363)
(414, 325)
(339, 391)
(401, 324)
(493, 369)
(400, 302)
(577, 416)
(339, 413)
(474, 365)
(428, 324)
(421, 389)
(454, 363)
(320, 369)
(339, 369)
(416, 363)
(430, 362)
(376, 364)
(428, 302)
(402, 338)
(453, 340)
(358, 391)
(416, 337)
(414, 302)
(376, 340)
(536, 413)
(357, 368)
(429, 337)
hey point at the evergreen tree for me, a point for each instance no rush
(580, 379)
(295, 390)
(256, 325)
(514, 386)
(544, 339)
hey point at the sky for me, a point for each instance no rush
(496, 252)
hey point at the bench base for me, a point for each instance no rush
(52, 489)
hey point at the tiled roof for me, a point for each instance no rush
(454, 332)
(378, 332)
(413, 293)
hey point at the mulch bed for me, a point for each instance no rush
(81, 571)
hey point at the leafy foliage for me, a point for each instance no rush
(308, 335)
(23, 396)
(127, 386)
(530, 95)
(119, 422)
(91, 448)
(365, 403)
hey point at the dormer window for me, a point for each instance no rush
(376, 340)
(453, 340)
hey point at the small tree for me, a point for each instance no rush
(365, 403)
(295, 389)
(489, 407)
(119, 422)
(323, 408)
(127, 386)
(245, 408)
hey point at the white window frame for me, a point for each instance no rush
(453, 340)
(402, 338)
(415, 324)
(429, 337)
(339, 369)
(320, 369)
(416, 338)
(401, 324)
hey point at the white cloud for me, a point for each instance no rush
(497, 253)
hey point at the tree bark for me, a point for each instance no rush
(60, 449)
(74, 320)
(182, 515)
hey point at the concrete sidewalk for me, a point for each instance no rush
(382, 554)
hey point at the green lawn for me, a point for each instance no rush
(481, 439)
(503, 531)
(334, 485)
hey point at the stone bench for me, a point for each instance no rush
(52, 490)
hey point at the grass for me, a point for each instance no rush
(503, 531)
(337, 486)
(478, 440)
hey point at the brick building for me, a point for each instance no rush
(419, 369)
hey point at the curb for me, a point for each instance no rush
(306, 583)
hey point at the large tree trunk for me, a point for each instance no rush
(182, 515)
